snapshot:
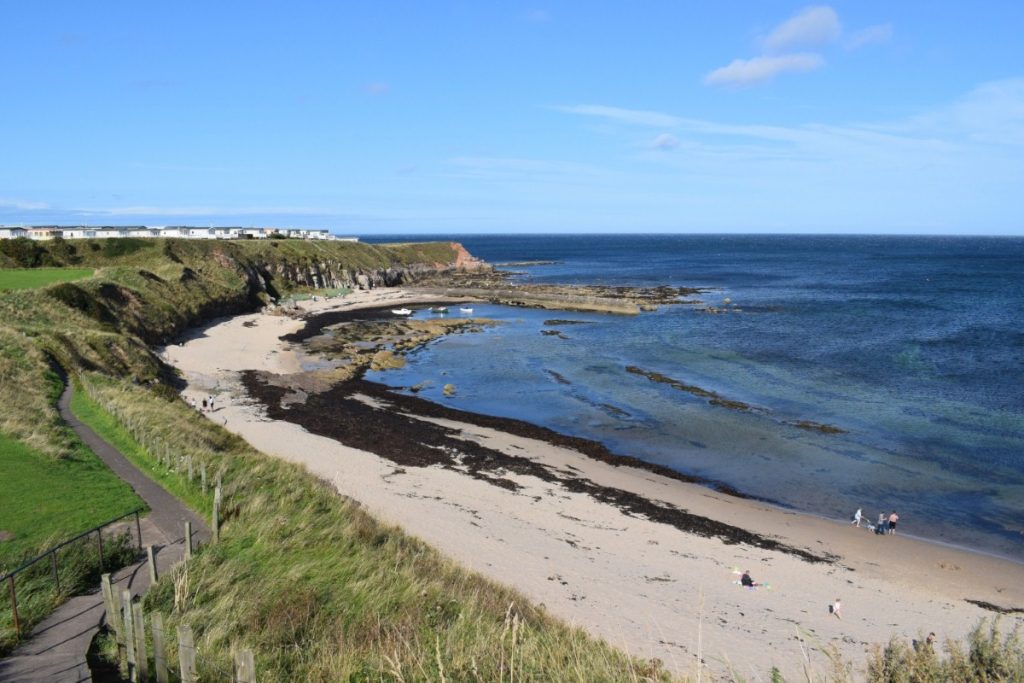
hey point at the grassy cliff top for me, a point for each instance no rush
(147, 252)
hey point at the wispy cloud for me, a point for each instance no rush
(747, 72)
(991, 114)
(665, 142)
(643, 118)
(950, 167)
(811, 26)
(879, 33)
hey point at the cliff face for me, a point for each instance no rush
(334, 272)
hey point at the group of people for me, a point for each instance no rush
(207, 404)
(886, 525)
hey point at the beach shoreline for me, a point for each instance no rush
(636, 581)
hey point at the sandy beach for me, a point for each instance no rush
(641, 584)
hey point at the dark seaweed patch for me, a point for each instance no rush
(392, 433)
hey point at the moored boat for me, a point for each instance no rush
(401, 311)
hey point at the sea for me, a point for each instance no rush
(912, 346)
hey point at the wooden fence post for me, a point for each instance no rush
(216, 514)
(245, 667)
(191, 470)
(159, 648)
(188, 540)
(140, 642)
(99, 546)
(186, 654)
(109, 604)
(129, 634)
(116, 620)
(202, 476)
(14, 607)
(153, 578)
(53, 566)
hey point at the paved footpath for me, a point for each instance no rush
(56, 649)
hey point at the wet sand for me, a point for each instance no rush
(644, 560)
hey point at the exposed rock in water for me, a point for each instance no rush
(717, 399)
(553, 333)
(817, 427)
(714, 398)
(494, 286)
(558, 377)
(449, 389)
(555, 322)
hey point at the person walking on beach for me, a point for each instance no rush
(880, 529)
(836, 608)
(856, 518)
(893, 518)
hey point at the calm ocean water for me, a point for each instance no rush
(914, 345)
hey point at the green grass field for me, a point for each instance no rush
(45, 500)
(32, 278)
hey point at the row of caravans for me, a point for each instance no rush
(86, 232)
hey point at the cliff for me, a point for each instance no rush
(147, 291)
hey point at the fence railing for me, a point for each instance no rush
(51, 553)
(144, 658)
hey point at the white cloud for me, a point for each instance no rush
(745, 72)
(879, 33)
(665, 142)
(635, 116)
(812, 26)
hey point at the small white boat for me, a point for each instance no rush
(465, 309)
(401, 311)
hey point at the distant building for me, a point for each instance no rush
(44, 232)
(10, 232)
(49, 232)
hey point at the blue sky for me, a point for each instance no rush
(505, 117)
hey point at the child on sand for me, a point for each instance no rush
(856, 518)
(836, 608)
(747, 581)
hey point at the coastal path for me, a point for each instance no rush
(56, 649)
